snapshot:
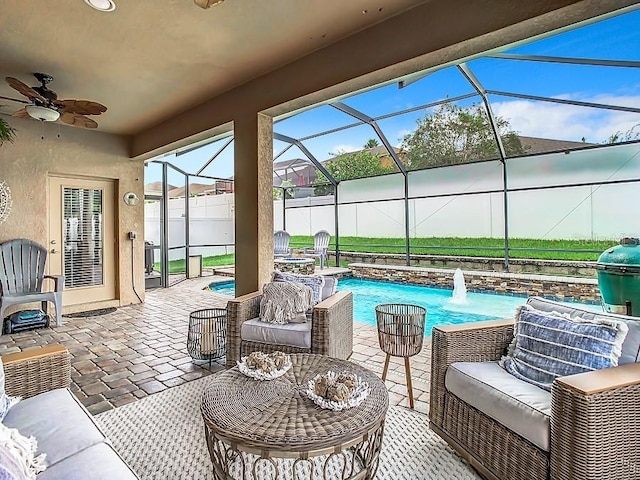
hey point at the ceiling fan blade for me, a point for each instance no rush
(78, 120)
(24, 89)
(22, 113)
(81, 107)
(14, 100)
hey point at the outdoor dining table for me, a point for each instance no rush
(271, 430)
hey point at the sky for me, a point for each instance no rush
(616, 38)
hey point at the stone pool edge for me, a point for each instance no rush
(560, 288)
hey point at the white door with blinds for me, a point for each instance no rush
(82, 239)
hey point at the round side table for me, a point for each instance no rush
(271, 430)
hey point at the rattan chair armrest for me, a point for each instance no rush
(595, 426)
(469, 342)
(604, 380)
(334, 299)
(239, 310)
(58, 282)
(37, 370)
(467, 327)
(332, 327)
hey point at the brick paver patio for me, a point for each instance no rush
(139, 350)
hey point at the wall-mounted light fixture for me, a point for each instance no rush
(131, 199)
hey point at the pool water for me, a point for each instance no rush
(440, 310)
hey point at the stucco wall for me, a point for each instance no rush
(42, 149)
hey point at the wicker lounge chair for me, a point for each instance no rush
(281, 244)
(22, 274)
(594, 420)
(320, 247)
(331, 328)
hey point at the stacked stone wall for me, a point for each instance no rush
(516, 265)
(555, 287)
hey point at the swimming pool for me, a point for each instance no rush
(440, 310)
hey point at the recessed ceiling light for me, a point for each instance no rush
(102, 5)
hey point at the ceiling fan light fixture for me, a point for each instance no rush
(43, 114)
(207, 3)
(102, 5)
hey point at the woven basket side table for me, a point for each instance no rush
(270, 430)
(206, 337)
(401, 334)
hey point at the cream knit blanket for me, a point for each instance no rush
(284, 302)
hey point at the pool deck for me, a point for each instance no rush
(140, 349)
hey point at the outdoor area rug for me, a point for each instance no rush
(162, 438)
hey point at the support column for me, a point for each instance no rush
(253, 186)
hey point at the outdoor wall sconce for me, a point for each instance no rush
(131, 199)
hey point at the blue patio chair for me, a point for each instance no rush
(320, 247)
(21, 276)
(281, 244)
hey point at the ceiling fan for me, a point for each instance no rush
(207, 3)
(44, 105)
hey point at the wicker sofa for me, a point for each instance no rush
(331, 328)
(588, 427)
(76, 449)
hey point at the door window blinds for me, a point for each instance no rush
(82, 237)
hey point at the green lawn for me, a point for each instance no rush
(178, 266)
(470, 247)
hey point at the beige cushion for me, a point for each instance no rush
(519, 406)
(329, 287)
(291, 334)
(98, 462)
(58, 421)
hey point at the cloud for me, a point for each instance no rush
(569, 122)
(344, 148)
(403, 133)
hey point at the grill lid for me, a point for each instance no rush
(623, 258)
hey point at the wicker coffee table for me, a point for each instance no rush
(269, 430)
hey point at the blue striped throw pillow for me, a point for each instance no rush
(315, 283)
(547, 345)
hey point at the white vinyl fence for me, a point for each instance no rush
(457, 201)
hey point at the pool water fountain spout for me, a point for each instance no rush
(459, 296)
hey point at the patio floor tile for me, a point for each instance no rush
(139, 350)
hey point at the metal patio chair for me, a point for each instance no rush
(21, 276)
(281, 244)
